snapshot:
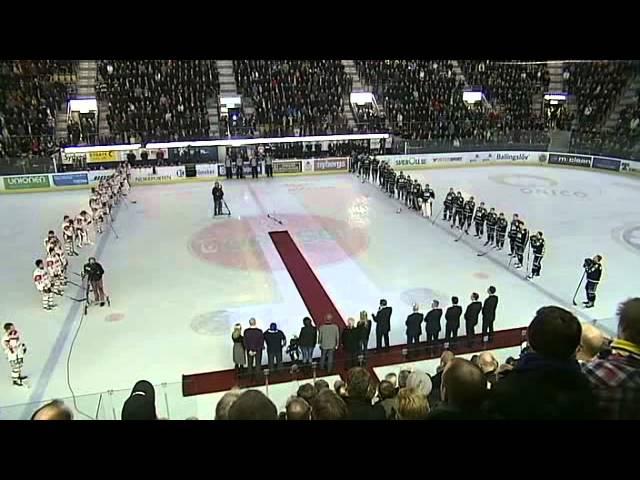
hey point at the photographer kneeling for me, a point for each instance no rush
(218, 195)
(94, 272)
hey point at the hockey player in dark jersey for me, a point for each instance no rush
(593, 268)
(400, 186)
(522, 241)
(391, 183)
(492, 220)
(513, 232)
(501, 230)
(538, 247)
(375, 166)
(366, 169)
(448, 205)
(468, 210)
(458, 210)
(478, 220)
(383, 175)
(408, 192)
(416, 197)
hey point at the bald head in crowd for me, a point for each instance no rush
(463, 384)
(55, 410)
(298, 409)
(591, 343)
(487, 362)
(445, 358)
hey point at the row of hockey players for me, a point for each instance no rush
(456, 210)
(50, 275)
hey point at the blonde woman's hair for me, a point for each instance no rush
(412, 405)
(363, 316)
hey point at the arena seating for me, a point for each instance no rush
(295, 97)
(152, 100)
(31, 92)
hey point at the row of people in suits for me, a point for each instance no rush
(433, 325)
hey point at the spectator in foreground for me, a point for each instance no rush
(308, 339)
(141, 404)
(327, 405)
(359, 391)
(224, 404)
(253, 405)
(421, 382)
(436, 380)
(320, 385)
(387, 400)
(307, 392)
(463, 392)
(402, 378)
(340, 388)
(412, 405)
(297, 409)
(592, 342)
(393, 378)
(54, 410)
(547, 383)
(615, 380)
(329, 339)
(489, 364)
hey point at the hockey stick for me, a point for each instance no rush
(482, 254)
(528, 256)
(75, 299)
(577, 289)
(437, 216)
(459, 236)
(271, 217)
(227, 207)
(73, 283)
(113, 230)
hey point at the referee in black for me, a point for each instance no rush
(218, 195)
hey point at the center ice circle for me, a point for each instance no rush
(518, 180)
(423, 297)
(216, 323)
(238, 242)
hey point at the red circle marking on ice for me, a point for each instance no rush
(236, 243)
(481, 275)
(114, 317)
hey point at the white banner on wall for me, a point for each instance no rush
(427, 160)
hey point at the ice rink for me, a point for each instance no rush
(179, 280)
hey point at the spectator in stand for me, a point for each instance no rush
(320, 385)
(393, 378)
(421, 382)
(463, 392)
(547, 382)
(308, 339)
(592, 342)
(436, 380)
(340, 388)
(412, 405)
(224, 404)
(360, 393)
(297, 409)
(307, 392)
(253, 345)
(387, 400)
(489, 365)
(253, 405)
(615, 380)
(414, 327)
(327, 405)
(329, 339)
(54, 410)
(275, 341)
(402, 378)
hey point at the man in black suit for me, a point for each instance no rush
(489, 312)
(414, 327)
(471, 316)
(383, 324)
(452, 317)
(432, 322)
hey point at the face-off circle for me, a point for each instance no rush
(631, 237)
(520, 181)
(114, 317)
(423, 297)
(235, 243)
(212, 324)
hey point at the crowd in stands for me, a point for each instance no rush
(239, 126)
(153, 100)
(292, 97)
(31, 92)
(369, 118)
(423, 100)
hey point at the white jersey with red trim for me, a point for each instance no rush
(67, 232)
(12, 345)
(59, 250)
(41, 279)
(79, 222)
(87, 218)
(54, 264)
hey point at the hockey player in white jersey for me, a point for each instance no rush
(81, 233)
(59, 250)
(49, 238)
(89, 227)
(67, 237)
(54, 269)
(43, 284)
(15, 351)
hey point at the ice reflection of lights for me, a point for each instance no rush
(359, 212)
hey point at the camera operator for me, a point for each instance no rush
(593, 269)
(218, 195)
(94, 272)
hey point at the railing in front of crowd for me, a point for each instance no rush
(619, 147)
